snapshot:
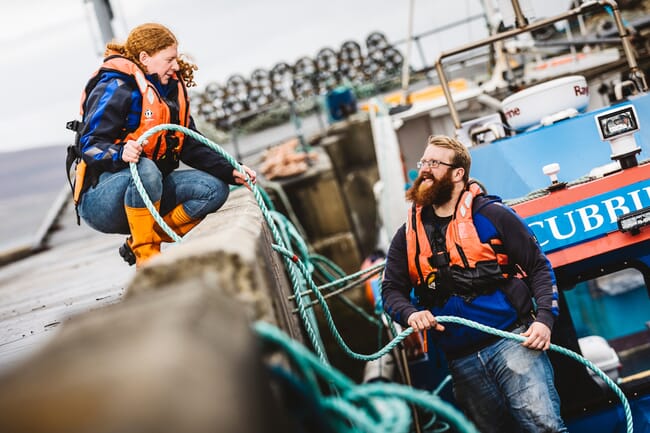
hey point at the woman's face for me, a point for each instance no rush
(163, 63)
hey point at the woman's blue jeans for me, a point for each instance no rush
(507, 387)
(102, 206)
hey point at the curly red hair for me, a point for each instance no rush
(152, 38)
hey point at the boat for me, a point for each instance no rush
(577, 170)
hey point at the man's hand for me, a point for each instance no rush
(421, 320)
(240, 178)
(538, 337)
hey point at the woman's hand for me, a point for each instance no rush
(131, 152)
(240, 178)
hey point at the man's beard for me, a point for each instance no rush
(434, 194)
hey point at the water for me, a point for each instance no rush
(29, 184)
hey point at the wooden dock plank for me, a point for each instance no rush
(78, 271)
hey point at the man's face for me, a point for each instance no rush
(434, 184)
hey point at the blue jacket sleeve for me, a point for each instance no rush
(522, 248)
(396, 283)
(108, 116)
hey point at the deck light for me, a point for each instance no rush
(617, 126)
(633, 221)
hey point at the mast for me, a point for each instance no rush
(104, 14)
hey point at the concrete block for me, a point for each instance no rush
(230, 251)
(177, 354)
(357, 187)
(317, 200)
(182, 359)
(356, 143)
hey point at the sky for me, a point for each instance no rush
(51, 47)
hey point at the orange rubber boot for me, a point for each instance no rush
(179, 221)
(144, 241)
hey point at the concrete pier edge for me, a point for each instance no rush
(177, 354)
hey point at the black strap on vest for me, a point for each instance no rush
(73, 156)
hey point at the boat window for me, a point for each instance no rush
(615, 307)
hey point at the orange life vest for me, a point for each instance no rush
(472, 263)
(155, 110)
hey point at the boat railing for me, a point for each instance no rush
(418, 38)
(233, 119)
(523, 26)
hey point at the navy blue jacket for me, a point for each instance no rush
(505, 307)
(112, 110)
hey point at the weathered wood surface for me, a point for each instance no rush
(79, 271)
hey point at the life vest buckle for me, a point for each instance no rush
(73, 125)
(431, 281)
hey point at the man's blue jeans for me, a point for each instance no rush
(506, 387)
(102, 206)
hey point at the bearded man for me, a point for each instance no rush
(464, 253)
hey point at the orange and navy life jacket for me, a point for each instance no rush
(470, 267)
(155, 111)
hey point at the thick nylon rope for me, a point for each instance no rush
(292, 261)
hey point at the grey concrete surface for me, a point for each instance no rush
(175, 354)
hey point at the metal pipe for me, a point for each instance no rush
(520, 19)
(442, 28)
(637, 74)
(481, 129)
(104, 15)
(407, 59)
(445, 89)
(423, 60)
(625, 36)
(401, 361)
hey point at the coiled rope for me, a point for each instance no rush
(293, 264)
(372, 407)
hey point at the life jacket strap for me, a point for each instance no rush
(439, 259)
(74, 125)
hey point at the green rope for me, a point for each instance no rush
(458, 320)
(307, 317)
(330, 320)
(372, 269)
(284, 200)
(293, 264)
(334, 273)
(559, 349)
(267, 200)
(370, 407)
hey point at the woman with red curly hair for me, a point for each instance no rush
(143, 83)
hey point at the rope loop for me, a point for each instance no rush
(300, 270)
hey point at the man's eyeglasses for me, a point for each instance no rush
(432, 163)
